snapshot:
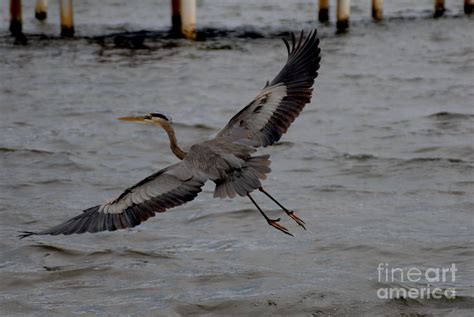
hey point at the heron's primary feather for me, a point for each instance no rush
(268, 116)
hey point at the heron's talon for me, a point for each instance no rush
(297, 219)
(274, 223)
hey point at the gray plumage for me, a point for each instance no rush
(226, 160)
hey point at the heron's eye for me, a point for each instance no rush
(148, 117)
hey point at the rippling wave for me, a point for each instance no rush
(379, 165)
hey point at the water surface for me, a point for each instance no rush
(379, 165)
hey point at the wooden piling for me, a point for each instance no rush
(67, 18)
(377, 10)
(323, 14)
(183, 18)
(175, 18)
(41, 9)
(16, 26)
(343, 10)
(468, 7)
(188, 18)
(438, 8)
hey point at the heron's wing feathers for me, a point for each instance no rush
(266, 118)
(168, 188)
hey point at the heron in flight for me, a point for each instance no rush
(227, 159)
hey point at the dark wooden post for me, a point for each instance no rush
(377, 10)
(468, 6)
(16, 27)
(67, 18)
(438, 8)
(323, 15)
(343, 11)
(175, 18)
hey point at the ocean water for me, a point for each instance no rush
(379, 164)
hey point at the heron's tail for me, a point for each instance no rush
(244, 180)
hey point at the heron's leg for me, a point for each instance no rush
(290, 213)
(272, 222)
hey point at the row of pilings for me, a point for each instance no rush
(183, 15)
(343, 11)
(41, 13)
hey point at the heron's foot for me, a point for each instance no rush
(25, 234)
(297, 219)
(274, 223)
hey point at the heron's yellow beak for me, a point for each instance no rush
(133, 119)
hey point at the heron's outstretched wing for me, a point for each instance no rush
(266, 118)
(168, 188)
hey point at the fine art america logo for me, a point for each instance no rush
(431, 277)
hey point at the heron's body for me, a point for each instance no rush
(228, 160)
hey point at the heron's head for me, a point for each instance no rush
(154, 118)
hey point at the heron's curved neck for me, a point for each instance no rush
(175, 148)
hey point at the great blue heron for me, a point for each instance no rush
(226, 159)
